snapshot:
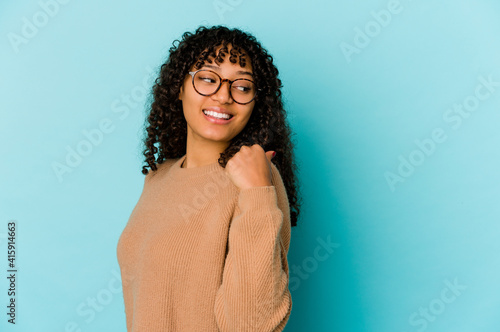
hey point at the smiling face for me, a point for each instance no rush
(201, 127)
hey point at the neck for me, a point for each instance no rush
(201, 152)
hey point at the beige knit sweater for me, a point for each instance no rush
(199, 254)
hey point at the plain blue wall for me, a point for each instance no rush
(402, 183)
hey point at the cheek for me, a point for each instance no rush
(245, 116)
(191, 100)
(187, 92)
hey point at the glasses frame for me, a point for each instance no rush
(222, 80)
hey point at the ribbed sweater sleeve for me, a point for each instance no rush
(254, 294)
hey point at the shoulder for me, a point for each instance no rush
(284, 205)
(280, 188)
(161, 169)
(276, 175)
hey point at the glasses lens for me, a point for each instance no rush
(243, 91)
(206, 82)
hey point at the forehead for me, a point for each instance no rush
(222, 55)
(235, 69)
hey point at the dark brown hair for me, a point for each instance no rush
(166, 126)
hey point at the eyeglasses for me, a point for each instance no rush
(207, 82)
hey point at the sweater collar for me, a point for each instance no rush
(176, 169)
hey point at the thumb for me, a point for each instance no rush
(270, 155)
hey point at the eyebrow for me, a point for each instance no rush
(241, 72)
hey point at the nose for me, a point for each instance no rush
(223, 95)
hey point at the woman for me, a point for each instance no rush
(205, 248)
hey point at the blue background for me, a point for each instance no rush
(360, 86)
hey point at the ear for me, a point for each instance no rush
(181, 93)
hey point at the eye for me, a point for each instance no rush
(207, 79)
(243, 86)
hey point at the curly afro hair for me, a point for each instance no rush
(166, 126)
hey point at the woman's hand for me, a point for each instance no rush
(250, 167)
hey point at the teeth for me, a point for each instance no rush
(217, 115)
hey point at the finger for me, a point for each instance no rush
(270, 155)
